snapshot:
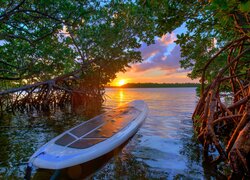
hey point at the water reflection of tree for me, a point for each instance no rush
(191, 149)
(127, 166)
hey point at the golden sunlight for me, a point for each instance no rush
(121, 82)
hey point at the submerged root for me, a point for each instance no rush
(240, 150)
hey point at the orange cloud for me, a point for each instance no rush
(153, 75)
(167, 39)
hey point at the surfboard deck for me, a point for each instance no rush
(91, 139)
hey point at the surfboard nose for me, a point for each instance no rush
(139, 104)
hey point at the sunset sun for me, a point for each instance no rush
(121, 82)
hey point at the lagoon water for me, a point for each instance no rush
(163, 148)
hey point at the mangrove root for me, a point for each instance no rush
(225, 126)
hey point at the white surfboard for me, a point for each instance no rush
(91, 139)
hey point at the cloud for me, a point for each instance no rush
(156, 56)
(167, 39)
(160, 46)
(160, 65)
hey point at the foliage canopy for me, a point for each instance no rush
(42, 39)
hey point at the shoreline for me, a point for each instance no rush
(155, 85)
(118, 87)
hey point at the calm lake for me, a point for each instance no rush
(163, 148)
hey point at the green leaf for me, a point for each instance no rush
(245, 7)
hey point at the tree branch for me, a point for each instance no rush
(214, 57)
(4, 15)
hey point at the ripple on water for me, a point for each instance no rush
(163, 148)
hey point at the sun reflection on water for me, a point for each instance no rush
(121, 96)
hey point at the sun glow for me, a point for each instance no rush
(121, 82)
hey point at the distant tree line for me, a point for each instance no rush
(158, 85)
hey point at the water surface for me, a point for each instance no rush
(163, 148)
